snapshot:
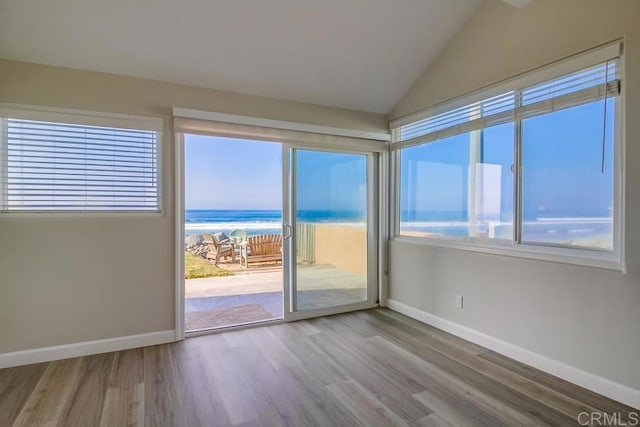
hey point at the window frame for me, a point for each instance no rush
(613, 260)
(88, 118)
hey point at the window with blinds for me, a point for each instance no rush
(57, 166)
(591, 84)
(532, 164)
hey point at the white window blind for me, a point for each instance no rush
(205, 123)
(589, 84)
(57, 166)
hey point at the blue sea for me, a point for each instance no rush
(256, 222)
(590, 228)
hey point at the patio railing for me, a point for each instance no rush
(306, 243)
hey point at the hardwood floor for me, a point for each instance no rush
(369, 368)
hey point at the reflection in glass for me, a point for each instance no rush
(331, 229)
(459, 186)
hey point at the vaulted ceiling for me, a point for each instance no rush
(357, 54)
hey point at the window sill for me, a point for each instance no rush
(582, 257)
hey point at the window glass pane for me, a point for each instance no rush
(331, 229)
(567, 197)
(459, 186)
(495, 188)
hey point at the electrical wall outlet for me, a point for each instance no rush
(459, 301)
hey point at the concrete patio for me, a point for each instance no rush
(255, 294)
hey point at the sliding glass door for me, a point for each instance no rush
(330, 232)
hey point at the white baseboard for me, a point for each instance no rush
(603, 386)
(47, 354)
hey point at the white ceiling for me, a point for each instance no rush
(357, 54)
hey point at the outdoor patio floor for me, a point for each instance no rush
(255, 294)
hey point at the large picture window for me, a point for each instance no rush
(65, 165)
(531, 164)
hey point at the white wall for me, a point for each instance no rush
(585, 317)
(69, 280)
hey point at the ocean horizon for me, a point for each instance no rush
(594, 228)
(260, 221)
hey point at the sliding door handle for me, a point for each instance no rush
(286, 232)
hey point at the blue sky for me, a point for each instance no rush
(225, 173)
(562, 161)
(561, 170)
(331, 181)
(561, 167)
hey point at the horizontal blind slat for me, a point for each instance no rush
(77, 164)
(71, 197)
(100, 142)
(55, 146)
(33, 159)
(33, 124)
(22, 183)
(72, 172)
(74, 208)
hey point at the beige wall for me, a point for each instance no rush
(67, 280)
(63, 87)
(586, 317)
(342, 247)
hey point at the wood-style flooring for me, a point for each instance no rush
(369, 368)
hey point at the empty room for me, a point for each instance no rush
(320, 213)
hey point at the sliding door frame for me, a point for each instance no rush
(290, 313)
(377, 221)
(179, 236)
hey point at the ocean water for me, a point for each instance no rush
(589, 229)
(256, 222)
(585, 228)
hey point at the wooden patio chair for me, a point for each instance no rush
(262, 248)
(221, 245)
